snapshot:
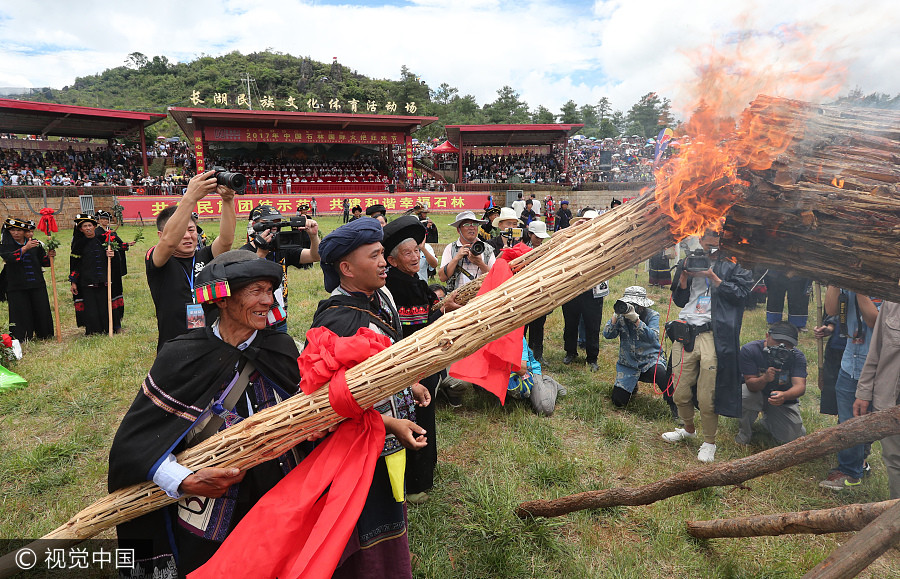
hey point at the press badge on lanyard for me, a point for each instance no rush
(193, 313)
(703, 304)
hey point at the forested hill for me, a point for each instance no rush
(282, 82)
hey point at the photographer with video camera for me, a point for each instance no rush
(637, 327)
(174, 262)
(466, 258)
(509, 230)
(774, 378)
(272, 237)
(712, 293)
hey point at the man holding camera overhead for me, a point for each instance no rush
(466, 258)
(774, 378)
(173, 263)
(712, 293)
(268, 242)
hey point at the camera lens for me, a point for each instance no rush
(620, 307)
(235, 181)
(477, 247)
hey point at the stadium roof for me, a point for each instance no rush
(188, 119)
(33, 118)
(508, 135)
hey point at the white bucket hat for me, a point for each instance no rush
(505, 213)
(637, 295)
(466, 216)
(539, 229)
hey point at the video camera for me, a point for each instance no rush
(778, 357)
(283, 239)
(696, 261)
(235, 181)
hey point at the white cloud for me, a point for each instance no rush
(549, 52)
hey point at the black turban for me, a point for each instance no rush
(231, 271)
(342, 241)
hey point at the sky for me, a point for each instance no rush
(549, 51)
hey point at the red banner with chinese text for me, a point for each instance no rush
(147, 207)
(263, 135)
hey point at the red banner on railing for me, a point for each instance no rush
(148, 207)
(263, 135)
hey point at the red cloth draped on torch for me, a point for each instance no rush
(301, 526)
(47, 223)
(490, 365)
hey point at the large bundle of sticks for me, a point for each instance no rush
(599, 250)
(829, 208)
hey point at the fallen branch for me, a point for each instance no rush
(836, 520)
(868, 428)
(866, 546)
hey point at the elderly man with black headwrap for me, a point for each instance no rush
(202, 382)
(355, 273)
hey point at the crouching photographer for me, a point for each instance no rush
(640, 360)
(712, 293)
(774, 378)
(272, 237)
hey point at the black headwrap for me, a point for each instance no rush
(342, 241)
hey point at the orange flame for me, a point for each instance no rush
(698, 186)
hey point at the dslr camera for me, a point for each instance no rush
(778, 357)
(289, 234)
(512, 232)
(696, 261)
(235, 181)
(621, 308)
(477, 247)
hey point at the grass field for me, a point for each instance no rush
(55, 435)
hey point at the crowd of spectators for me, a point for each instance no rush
(621, 159)
(116, 165)
(519, 168)
(281, 175)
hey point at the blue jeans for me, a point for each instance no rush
(850, 460)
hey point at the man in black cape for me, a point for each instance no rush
(202, 382)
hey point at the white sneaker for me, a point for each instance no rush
(707, 452)
(678, 435)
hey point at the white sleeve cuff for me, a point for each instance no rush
(169, 476)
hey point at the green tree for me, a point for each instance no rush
(603, 109)
(647, 115)
(542, 116)
(589, 116)
(136, 60)
(507, 109)
(569, 113)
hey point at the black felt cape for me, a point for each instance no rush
(188, 372)
(344, 315)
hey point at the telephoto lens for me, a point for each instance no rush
(234, 181)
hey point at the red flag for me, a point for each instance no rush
(489, 367)
(300, 527)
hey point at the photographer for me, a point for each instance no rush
(712, 293)
(467, 257)
(637, 327)
(774, 378)
(265, 243)
(506, 223)
(431, 230)
(173, 263)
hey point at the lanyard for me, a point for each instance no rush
(190, 277)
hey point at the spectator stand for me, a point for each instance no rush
(515, 154)
(317, 153)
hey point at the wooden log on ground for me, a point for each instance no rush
(852, 557)
(836, 520)
(829, 207)
(868, 428)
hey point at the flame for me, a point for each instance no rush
(699, 184)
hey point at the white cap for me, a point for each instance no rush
(538, 228)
